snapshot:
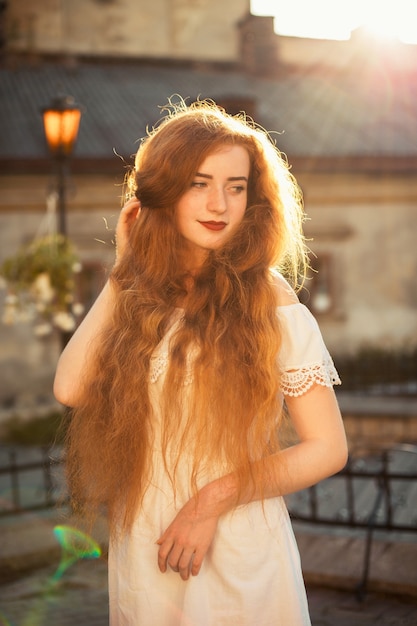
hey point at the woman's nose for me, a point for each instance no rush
(217, 201)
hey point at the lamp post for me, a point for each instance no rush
(61, 121)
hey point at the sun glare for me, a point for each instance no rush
(381, 30)
(390, 20)
(327, 19)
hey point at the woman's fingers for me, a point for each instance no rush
(163, 553)
(185, 543)
(128, 214)
(197, 562)
(185, 564)
(132, 206)
(178, 560)
(127, 217)
(185, 554)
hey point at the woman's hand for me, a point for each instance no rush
(127, 217)
(187, 539)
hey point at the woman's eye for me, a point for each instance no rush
(198, 184)
(238, 188)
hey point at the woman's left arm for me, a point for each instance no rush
(320, 452)
(322, 448)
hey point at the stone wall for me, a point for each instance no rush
(191, 30)
(353, 54)
(364, 224)
(27, 362)
(166, 29)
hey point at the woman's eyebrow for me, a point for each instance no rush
(231, 178)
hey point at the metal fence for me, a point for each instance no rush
(376, 491)
(31, 479)
(379, 490)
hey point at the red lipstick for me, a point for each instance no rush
(214, 225)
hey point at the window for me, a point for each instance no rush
(318, 291)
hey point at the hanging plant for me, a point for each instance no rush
(40, 285)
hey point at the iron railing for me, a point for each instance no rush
(375, 492)
(35, 484)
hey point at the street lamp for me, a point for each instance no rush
(61, 120)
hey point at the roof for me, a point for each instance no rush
(317, 114)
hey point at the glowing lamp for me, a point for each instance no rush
(61, 121)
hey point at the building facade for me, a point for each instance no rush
(343, 115)
(171, 29)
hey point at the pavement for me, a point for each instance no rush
(42, 581)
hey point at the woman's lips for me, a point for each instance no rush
(214, 225)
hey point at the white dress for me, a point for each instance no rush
(251, 575)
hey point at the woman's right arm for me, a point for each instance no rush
(74, 360)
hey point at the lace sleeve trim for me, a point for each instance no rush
(159, 365)
(295, 382)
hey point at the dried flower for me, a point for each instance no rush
(42, 330)
(40, 283)
(78, 309)
(43, 289)
(64, 321)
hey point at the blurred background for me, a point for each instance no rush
(334, 83)
(344, 111)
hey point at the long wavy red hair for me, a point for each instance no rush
(233, 408)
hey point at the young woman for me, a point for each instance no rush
(178, 377)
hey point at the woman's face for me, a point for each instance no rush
(212, 208)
